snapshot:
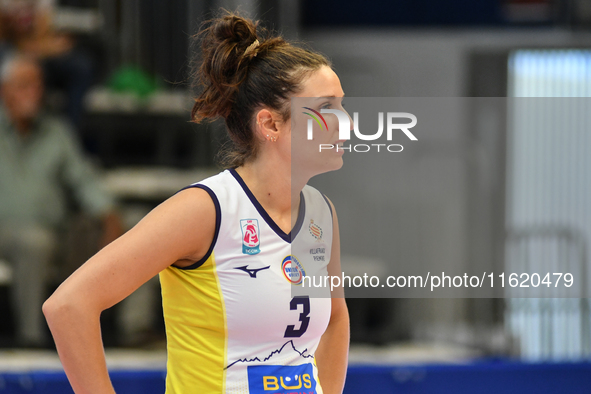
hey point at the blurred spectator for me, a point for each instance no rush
(3, 43)
(26, 26)
(41, 167)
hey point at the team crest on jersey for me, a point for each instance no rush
(251, 241)
(315, 230)
(293, 270)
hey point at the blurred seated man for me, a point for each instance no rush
(41, 169)
(4, 46)
(27, 26)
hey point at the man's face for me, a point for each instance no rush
(22, 91)
(19, 17)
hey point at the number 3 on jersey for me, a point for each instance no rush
(291, 331)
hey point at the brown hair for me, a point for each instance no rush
(236, 77)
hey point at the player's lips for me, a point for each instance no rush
(337, 146)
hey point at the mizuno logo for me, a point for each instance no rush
(251, 271)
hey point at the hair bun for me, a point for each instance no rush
(235, 29)
(226, 47)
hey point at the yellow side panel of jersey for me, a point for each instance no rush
(196, 329)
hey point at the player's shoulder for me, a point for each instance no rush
(204, 191)
(315, 196)
(312, 192)
(217, 184)
(187, 207)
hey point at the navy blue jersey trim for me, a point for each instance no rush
(218, 222)
(327, 203)
(298, 225)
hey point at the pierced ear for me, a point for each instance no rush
(265, 125)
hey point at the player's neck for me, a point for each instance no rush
(274, 188)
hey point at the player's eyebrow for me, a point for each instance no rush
(325, 97)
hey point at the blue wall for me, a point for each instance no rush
(479, 378)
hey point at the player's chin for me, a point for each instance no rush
(335, 163)
(339, 163)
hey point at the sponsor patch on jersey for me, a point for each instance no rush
(251, 241)
(315, 230)
(281, 379)
(293, 270)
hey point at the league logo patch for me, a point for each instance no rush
(279, 379)
(293, 270)
(315, 230)
(251, 242)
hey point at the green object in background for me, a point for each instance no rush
(130, 79)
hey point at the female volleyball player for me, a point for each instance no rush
(230, 248)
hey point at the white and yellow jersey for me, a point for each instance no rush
(232, 324)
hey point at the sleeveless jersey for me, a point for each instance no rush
(233, 324)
